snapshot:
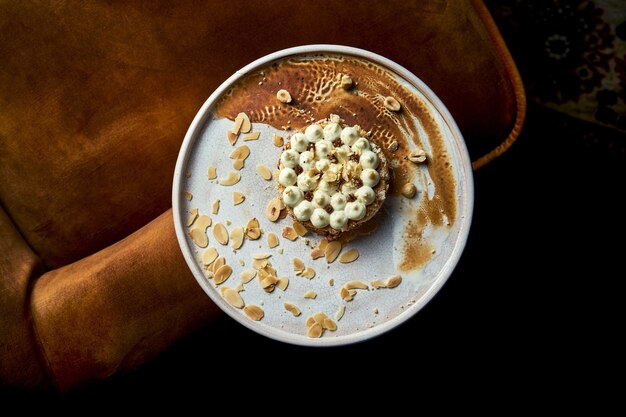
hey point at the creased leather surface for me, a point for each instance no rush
(95, 98)
(118, 308)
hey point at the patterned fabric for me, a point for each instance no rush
(571, 54)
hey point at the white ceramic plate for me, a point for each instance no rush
(381, 253)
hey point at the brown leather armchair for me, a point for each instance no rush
(95, 99)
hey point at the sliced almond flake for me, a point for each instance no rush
(264, 172)
(232, 137)
(240, 152)
(289, 233)
(238, 198)
(232, 178)
(319, 317)
(215, 207)
(193, 215)
(209, 256)
(223, 289)
(261, 255)
(212, 173)
(236, 237)
(310, 321)
(259, 263)
(310, 294)
(252, 136)
(347, 294)
(272, 240)
(378, 284)
(308, 273)
(220, 233)
(239, 287)
(188, 195)
(349, 256)
(282, 283)
(222, 274)
(238, 164)
(328, 324)
(199, 237)
(219, 262)
(237, 127)
(316, 253)
(393, 281)
(272, 212)
(300, 229)
(247, 275)
(340, 312)
(298, 265)
(246, 126)
(253, 230)
(233, 298)
(278, 140)
(332, 250)
(356, 285)
(268, 283)
(315, 331)
(293, 309)
(253, 312)
(322, 245)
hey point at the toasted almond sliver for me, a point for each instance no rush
(237, 128)
(282, 283)
(253, 230)
(259, 263)
(253, 312)
(272, 240)
(246, 126)
(222, 274)
(219, 262)
(332, 250)
(310, 294)
(240, 152)
(378, 284)
(188, 195)
(278, 140)
(340, 312)
(329, 325)
(308, 273)
(238, 164)
(356, 285)
(316, 253)
(300, 229)
(232, 137)
(347, 294)
(212, 173)
(310, 321)
(220, 233)
(247, 275)
(203, 222)
(232, 178)
(239, 287)
(261, 255)
(252, 136)
(322, 245)
(233, 298)
(292, 309)
(315, 331)
(199, 237)
(264, 172)
(349, 256)
(298, 265)
(393, 281)
(290, 233)
(215, 207)
(236, 237)
(193, 215)
(238, 198)
(319, 317)
(272, 212)
(269, 283)
(209, 256)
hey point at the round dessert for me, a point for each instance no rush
(331, 177)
